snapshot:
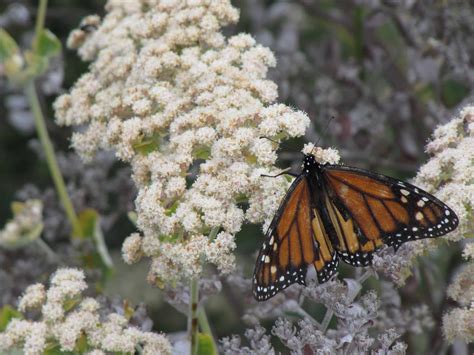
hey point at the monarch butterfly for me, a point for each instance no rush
(333, 212)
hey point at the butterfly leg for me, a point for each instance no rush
(286, 171)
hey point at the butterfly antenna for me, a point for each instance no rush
(323, 131)
(284, 145)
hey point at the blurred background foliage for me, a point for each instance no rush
(385, 73)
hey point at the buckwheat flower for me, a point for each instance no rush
(328, 155)
(459, 325)
(132, 249)
(35, 341)
(25, 226)
(448, 176)
(468, 252)
(449, 172)
(186, 107)
(461, 288)
(33, 297)
(66, 318)
(66, 283)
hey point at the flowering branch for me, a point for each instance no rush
(27, 79)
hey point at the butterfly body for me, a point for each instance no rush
(333, 212)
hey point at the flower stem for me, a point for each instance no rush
(43, 135)
(205, 327)
(43, 4)
(192, 317)
(48, 251)
(102, 246)
(326, 320)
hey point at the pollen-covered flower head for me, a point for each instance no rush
(187, 108)
(68, 321)
(26, 225)
(449, 173)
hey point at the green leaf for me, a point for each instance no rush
(132, 216)
(55, 349)
(87, 220)
(241, 198)
(8, 46)
(35, 64)
(7, 313)
(70, 304)
(170, 211)
(101, 246)
(48, 44)
(148, 145)
(202, 152)
(206, 345)
(90, 227)
(81, 344)
(173, 238)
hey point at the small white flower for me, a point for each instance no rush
(33, 297)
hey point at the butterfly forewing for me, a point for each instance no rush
(281, 260)
(384, 210)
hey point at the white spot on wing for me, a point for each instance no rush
(404, 192)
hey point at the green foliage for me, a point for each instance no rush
(90, 229)
(202, 152)
(48, 44)
(87, 220)
(148, 145)
(7, 313)
(21, 68)
(132, 216)
(8, 46)
(206, 345)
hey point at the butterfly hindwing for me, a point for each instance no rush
(382, 210)
(326, 260)
(352, 246)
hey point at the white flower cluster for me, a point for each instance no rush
(187, 108)
(448, 176)
(449, 173)
(26, 225)
(69, 321)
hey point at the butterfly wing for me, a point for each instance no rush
(295, 239)
(369, 210)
